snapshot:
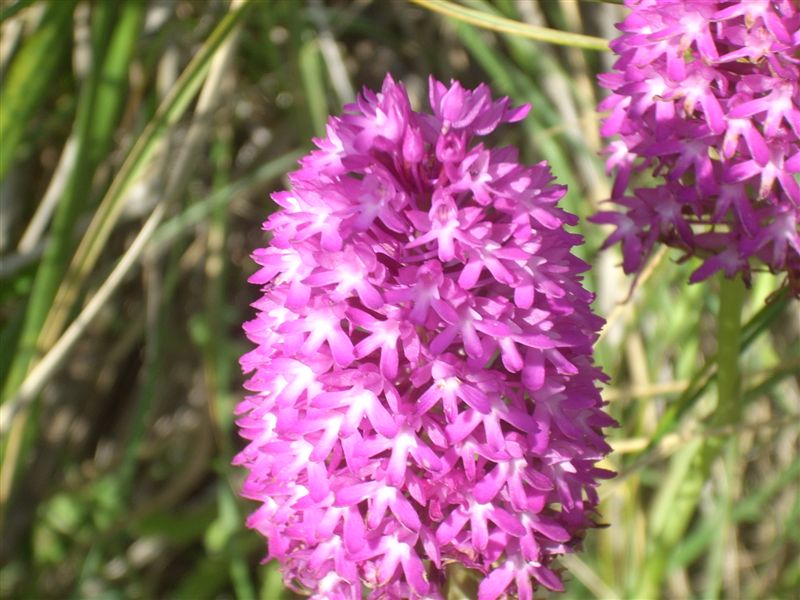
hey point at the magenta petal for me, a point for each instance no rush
(415, 573)
(488, 487)
(480, 531)
(548, 578)
(369, 295)
(405, 512)
(317, 480)
(743, 171)
(552, 530)
(356, 493)
(472, 343)
(493, 586)
(443, 340)
(380, 418)
(474, 398)
(396, 470)
(388, 566)
(324, 445)
(512, 360)
(713, 113)
(341, 348)
(426, 458)
(354, 531)
(506, 522)
(792, 164)
(389, 362)
(523, 296)
(428, 399)
(464, 424)
(470, 274)
(451, 526)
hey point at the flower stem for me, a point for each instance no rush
(678, 497)
(729, 338)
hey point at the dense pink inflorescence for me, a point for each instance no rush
(706, 99)
(422, 390)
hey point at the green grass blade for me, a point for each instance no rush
(12, 8)
(749, 509)
(311, 71)
(105, 218)
(30, 76)
(58, 251)
(503, 25)
(112, 87)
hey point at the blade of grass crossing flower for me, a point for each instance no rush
(503, 25)
(513, 82)
(528, 58)
(555, 88)
(523, 83)
(30, 76)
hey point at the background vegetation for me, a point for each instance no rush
(139, 142)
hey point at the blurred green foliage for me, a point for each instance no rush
(172, 121)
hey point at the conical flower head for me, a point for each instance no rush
(422, 387)
(706, 99)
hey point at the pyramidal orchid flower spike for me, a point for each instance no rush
(422, 387)
(705, 98)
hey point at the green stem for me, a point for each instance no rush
(729, 337)
(677, 501)
(728, 412)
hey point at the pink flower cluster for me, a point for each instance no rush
(422, 389)
(706, 100)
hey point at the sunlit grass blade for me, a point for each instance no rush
(503, 25)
